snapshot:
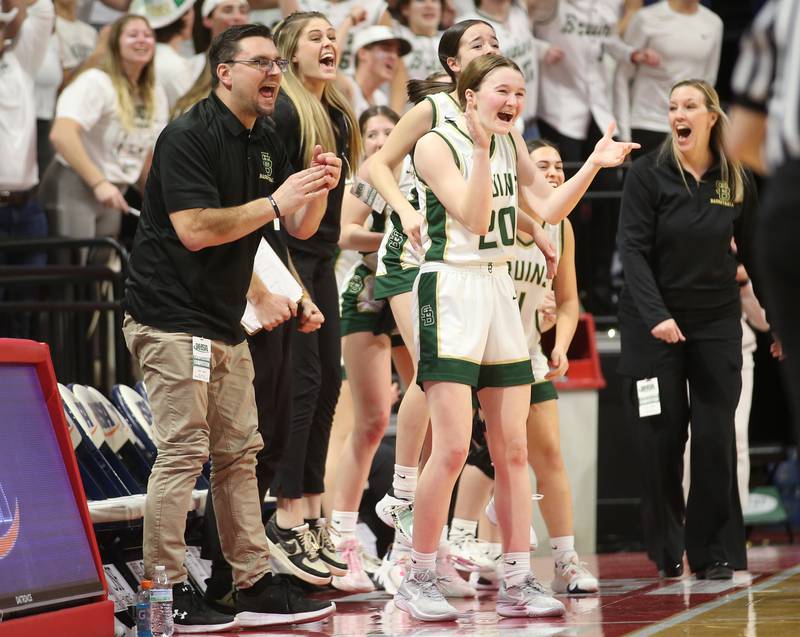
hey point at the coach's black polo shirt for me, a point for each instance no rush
(204, 159)
(675, 243)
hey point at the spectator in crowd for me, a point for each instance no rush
(311, 111)
(46, 85)
(766, 135)
(27, 25)
(107, 120)
(687, 37)
(76, 38)
(679, 320)
(190, 274)
(418, 22)
(574, 109)
(172, 22)
(217, 15)
(377, 58)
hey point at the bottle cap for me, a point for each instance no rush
(146, 584)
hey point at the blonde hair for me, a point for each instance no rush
(316, 126)
(730, 169)
(127, 92)
(199, 90)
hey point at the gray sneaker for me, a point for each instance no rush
(527, 599)
(420, 597)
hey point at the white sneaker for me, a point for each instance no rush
(393, 569)
(491, 515)
(470, 554)
(572, 577)
(356, 580)
(396, 513)
(450, 582)
(527, 599)
(419, 596)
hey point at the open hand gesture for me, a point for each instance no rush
(476, 131)
(609, 153)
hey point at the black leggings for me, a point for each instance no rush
(317, 379)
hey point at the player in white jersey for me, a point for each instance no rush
(367, 351)
(468, 333)
(544, 453)
(512, 25)
(459, 44)
(418, 22)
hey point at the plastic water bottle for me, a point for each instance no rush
(143, 609)
(161, 604)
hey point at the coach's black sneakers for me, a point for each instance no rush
(220, 593)
(274, 600)
(191, 615)
(295, 552)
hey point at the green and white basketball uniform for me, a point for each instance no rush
(398, 263)
(467, 325)
(529, 272)
(358, 308)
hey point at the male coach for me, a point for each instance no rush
(218, 175)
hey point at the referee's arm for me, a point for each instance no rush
(752, 84)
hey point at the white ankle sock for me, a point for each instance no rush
(460, 527)
(563, 547)
(515, 567)
(344, 522)
(404, 482)
(422, 561)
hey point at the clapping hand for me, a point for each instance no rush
(476, 131)
(331, 163)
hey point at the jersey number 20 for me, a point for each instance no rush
(506, 221)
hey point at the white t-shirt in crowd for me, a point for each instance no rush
(174, 73)
(18, 66)
(48, 80)
(689, 46)
(120, 154)
(423, 60)
(77, 40)
(337, 12)
(360, 102)
(578, 89)
(517, 42)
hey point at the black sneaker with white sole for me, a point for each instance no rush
(190, 614)
(295, 552)
(274, 600)
(220, 593)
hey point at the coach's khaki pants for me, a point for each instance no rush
(191, 418)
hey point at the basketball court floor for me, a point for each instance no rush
(632, 601)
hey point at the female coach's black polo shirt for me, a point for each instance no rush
(204, 159)
(675, 243)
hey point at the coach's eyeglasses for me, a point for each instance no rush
(264, 65)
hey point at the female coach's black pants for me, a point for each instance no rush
(709, 526)
(316, 379)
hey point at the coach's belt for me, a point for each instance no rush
(16, 197)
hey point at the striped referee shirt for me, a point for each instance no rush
(767, 77)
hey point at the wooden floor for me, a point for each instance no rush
(632, 601)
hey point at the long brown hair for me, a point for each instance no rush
(316, 126)
(128, 93)
(730, 169)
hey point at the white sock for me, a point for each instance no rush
(460, 527)
(515, 567)
(404, 482)
(344, 523)
(422, 561)
(563, 547)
